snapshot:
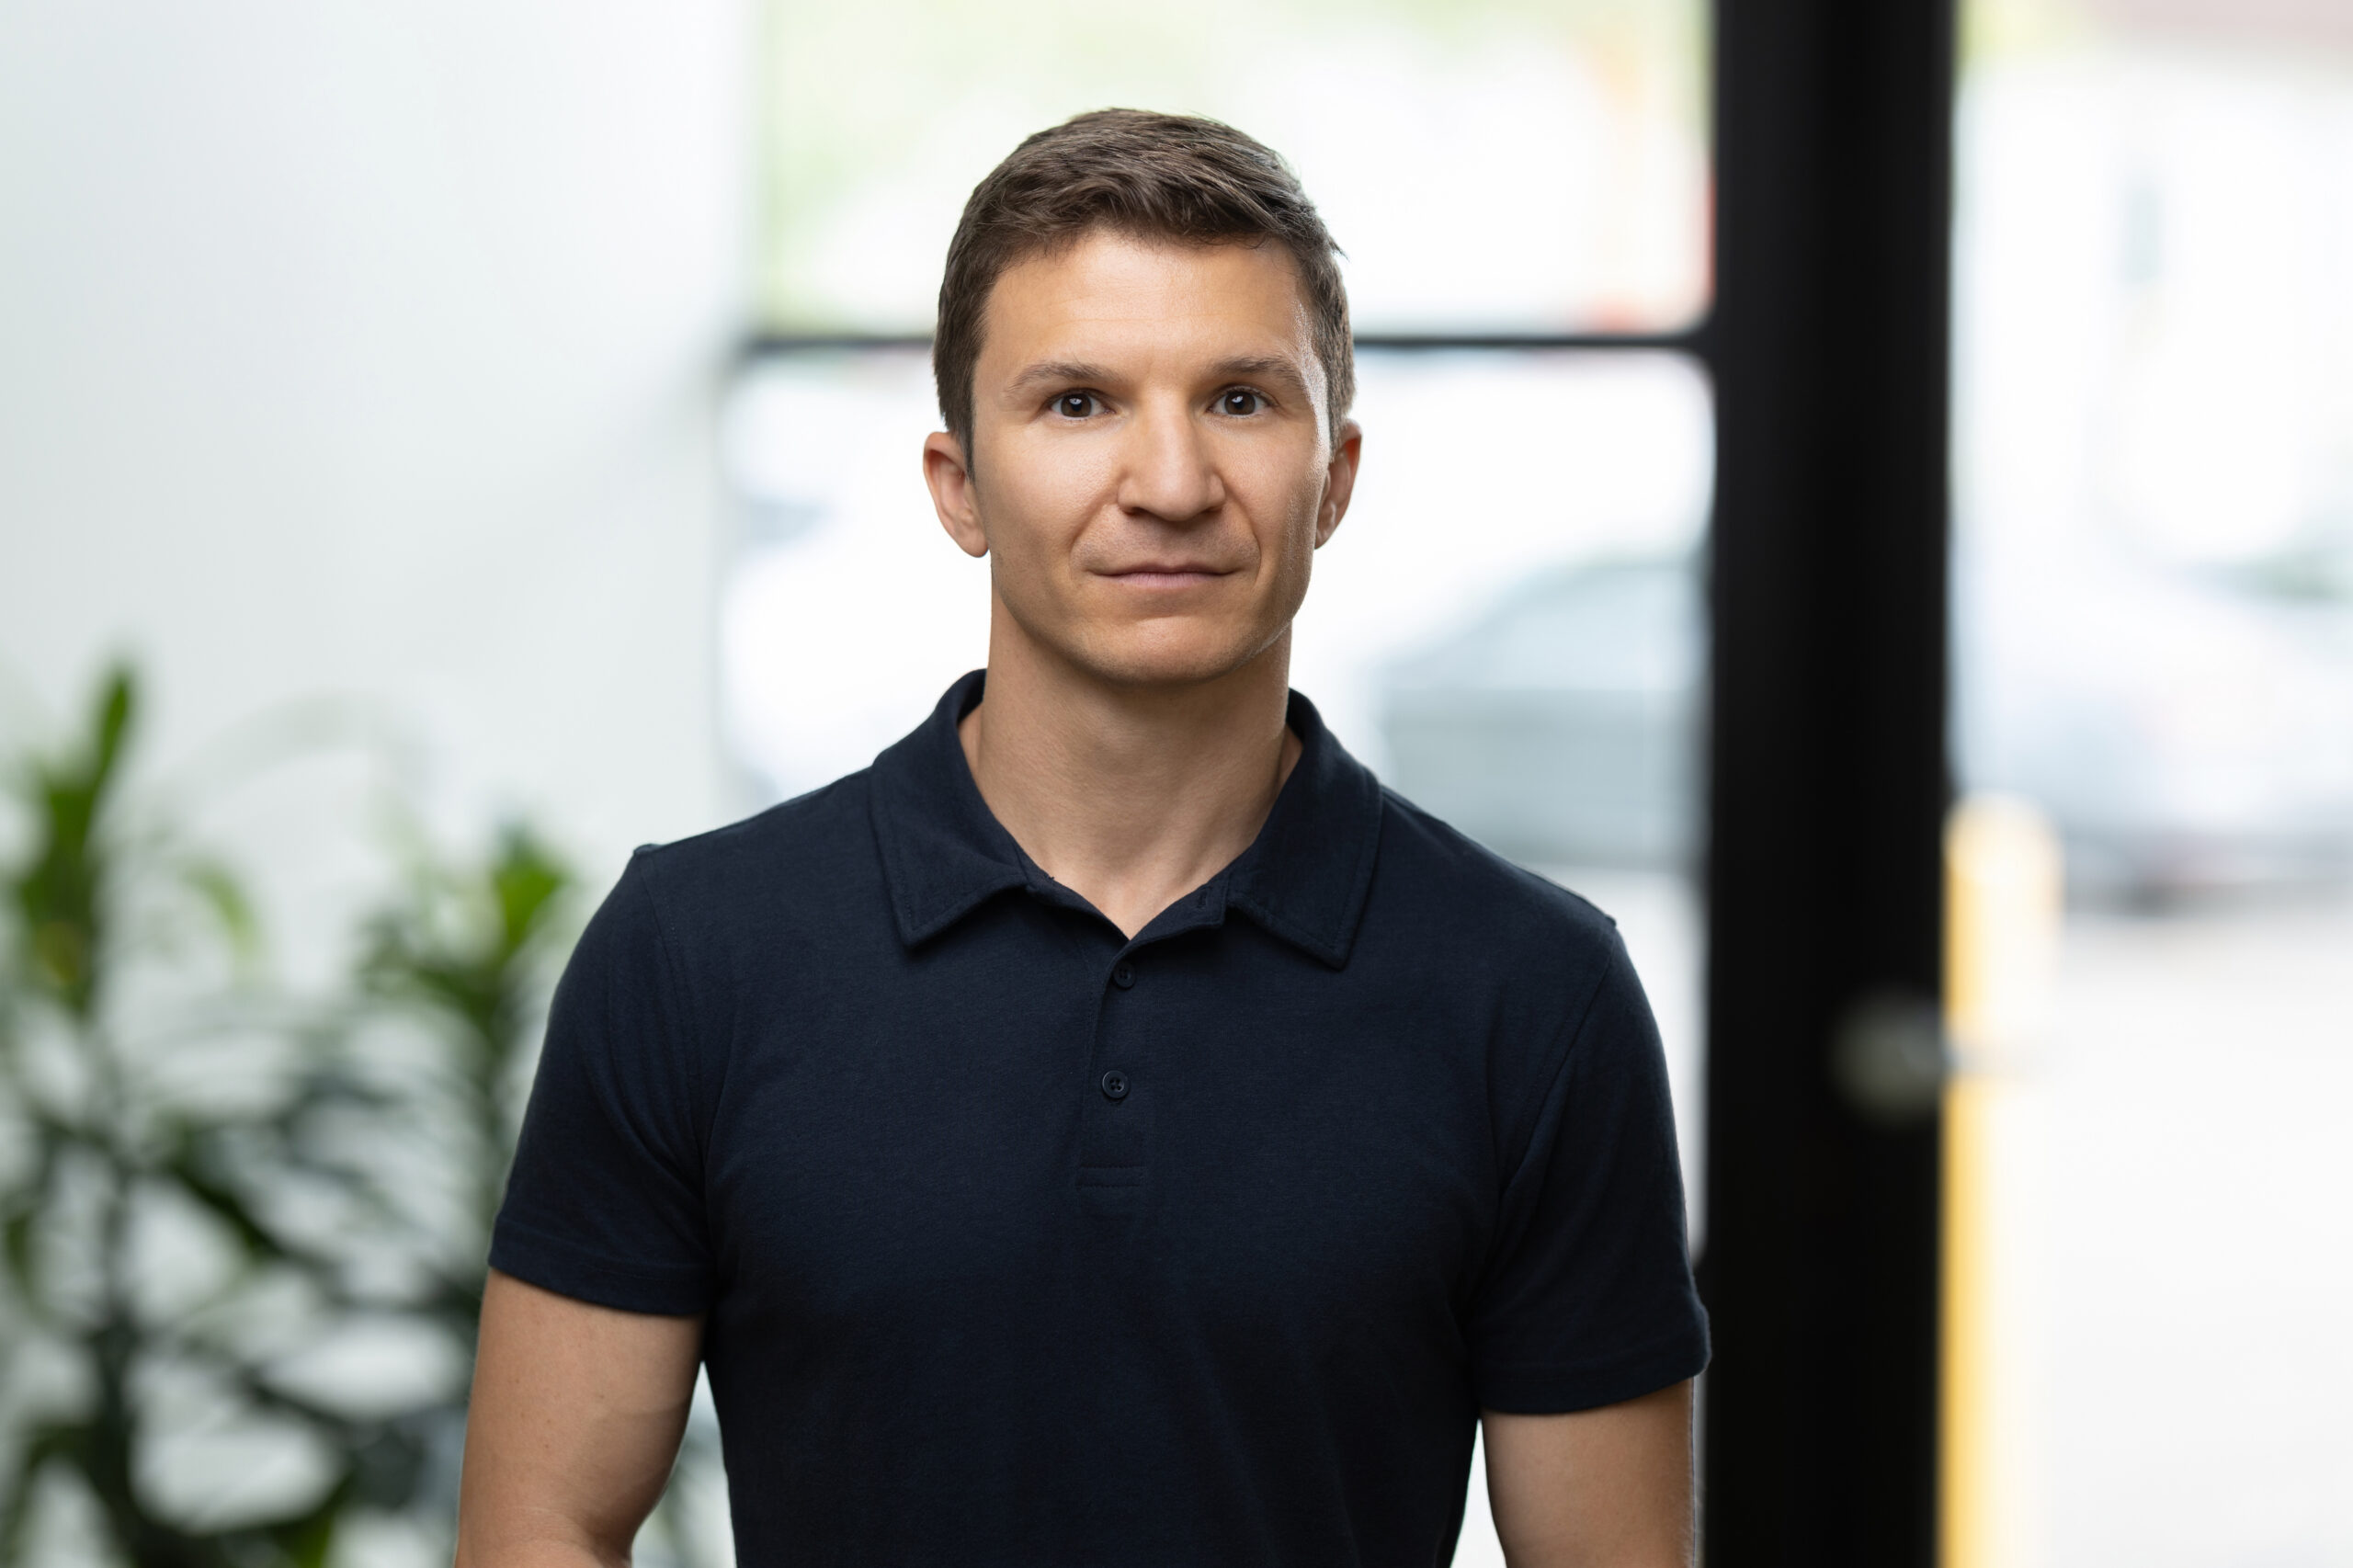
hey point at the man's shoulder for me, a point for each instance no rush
(818, 847)
(1468, 891)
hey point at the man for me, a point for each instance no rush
(1110, 1129)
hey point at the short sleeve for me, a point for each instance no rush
(1588, 1297)
(605, 1200)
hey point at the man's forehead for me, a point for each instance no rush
(1110, 293)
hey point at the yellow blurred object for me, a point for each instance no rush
(2003, 897)
(2002, 909)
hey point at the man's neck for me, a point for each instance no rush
(1130, 796)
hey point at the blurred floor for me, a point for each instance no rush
(2192, 1236)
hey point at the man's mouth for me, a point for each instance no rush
(1167, 574)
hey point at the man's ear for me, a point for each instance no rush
(950, 479)
(1339, 480)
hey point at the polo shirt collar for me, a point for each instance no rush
(1304, 878)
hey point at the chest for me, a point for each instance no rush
(1238, 1140)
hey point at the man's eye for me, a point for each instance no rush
(1074, 405)
(1241, 401)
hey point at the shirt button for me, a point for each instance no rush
(1115, 1085)
(1123, 976)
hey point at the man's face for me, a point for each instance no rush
(1153, 468)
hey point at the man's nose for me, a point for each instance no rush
(1169, 471)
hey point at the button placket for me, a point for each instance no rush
(1114, 1082)
(1114, 1144)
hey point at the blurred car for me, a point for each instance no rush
(1562, 725)
(2186, 732)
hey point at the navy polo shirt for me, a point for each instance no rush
(1021, 1242)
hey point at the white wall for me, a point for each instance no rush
(371, 349)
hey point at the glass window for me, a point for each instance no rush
(2154, 660)
(1487, 164)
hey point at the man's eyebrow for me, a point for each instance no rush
(1261, 368)
(1061, 372)
(1274, 368)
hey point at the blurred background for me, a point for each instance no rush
(486, 438)
(2154, 660)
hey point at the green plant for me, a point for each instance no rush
(159, 1105)
(471, 950)
(205, 1183)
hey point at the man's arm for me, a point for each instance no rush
(573, 1427)
(1607, 1488)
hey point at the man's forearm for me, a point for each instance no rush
(1606, 1488)
(575, 1424)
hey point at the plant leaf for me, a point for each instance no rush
(218, 887)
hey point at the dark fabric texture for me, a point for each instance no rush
(1022, 1243)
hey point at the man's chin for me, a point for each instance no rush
(1165, 662)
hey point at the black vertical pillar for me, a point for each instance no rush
(1829, 780)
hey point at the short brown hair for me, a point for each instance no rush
(1162, 177)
